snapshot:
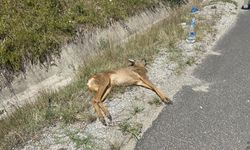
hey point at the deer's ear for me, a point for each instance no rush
(131, 62)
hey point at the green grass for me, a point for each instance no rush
(75, 136)
(156, 101)
(131, 128)
(33, 31)
(80, 142)
(66, 104)
(136, 110)
(190, 61)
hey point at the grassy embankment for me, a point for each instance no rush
(26, 122)
(32, 31)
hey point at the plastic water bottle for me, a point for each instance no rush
(193, 23)
(194, 10)
(192, 34)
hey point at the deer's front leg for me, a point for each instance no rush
(148, 84)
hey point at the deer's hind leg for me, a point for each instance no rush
(104, 108)
(99, 113)
(97, 100)
(105, 111)
(144, 82)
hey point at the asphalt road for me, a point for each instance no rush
(219, 118)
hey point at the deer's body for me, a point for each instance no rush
(102, 83)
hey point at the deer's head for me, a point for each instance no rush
(139, 63)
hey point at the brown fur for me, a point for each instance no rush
(102, 83)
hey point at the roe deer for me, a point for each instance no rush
(102, 83)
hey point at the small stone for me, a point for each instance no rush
(213, 7)
(2, 111)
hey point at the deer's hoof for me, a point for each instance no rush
(110, 118)
(168, 102)
(103, 121)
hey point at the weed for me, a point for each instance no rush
(137, 110)
(175, 54)
(198, 49)
(129, 128)
(86, 142)
(156, 101)
(115, 146)
(190, 61)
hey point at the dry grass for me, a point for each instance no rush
(225, 1)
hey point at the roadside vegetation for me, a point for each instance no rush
(72, 103)
(225, 1)
(32, 31)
